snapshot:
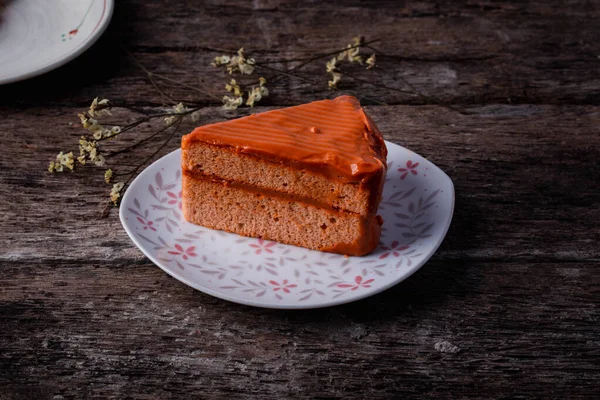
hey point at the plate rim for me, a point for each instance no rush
(90, 40)
(330, 303)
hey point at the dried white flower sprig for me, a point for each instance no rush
(257, 92)
(231, 103)
(236, 63)
(62, 161)
(351, 55)
(371, 61)
(89, 145)
(240, 64)
(181, 110)
(115, 192)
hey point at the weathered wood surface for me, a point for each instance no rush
(515, 286)
(474, 52)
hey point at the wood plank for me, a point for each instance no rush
(477, 52)
(98, 330)
(508, 195)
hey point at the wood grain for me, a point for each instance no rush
(474, 52)
(139, 333)
(507, 308)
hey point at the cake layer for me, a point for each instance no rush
(334, 137)
(224, 163)
(265, 192)
(234, 209)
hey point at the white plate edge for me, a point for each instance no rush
(70, 56)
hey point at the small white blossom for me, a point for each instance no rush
(86, 121)
(371, 61)
(231, 103)
(254, 96)
(99, 160)
(89, 150)
(257, 93)
(85, 146)
(241, 63)
(107, 133)
(178, 109)
(264, 91)
(108, 175)
(337, 77)
(246, 67)
(115, 192)
(331, 66)
(67, 160)
(234, 87)
(353, 55)
(62, 160)
(195, 116)
(221, 60)
(99, 108)
(236, 63)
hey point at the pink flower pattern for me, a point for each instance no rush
(146, 224)
(285, 286)
(263, 246)
(392, 250)
(358, 283)
(174, 199)
(189, 252)
(410, 168)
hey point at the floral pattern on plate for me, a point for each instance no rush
(417, 207)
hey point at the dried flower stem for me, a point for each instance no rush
(166, 78)
(368, 46)
(141, 121)
(427, 99)
(162, 146)
(151, 79)
(162, 93)
(320, 56)
(356, 78)
(133, 146)
(361, 96)
(287, 73)
(131, 174)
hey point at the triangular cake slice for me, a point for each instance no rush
(310, 175)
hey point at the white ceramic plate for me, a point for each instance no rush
(37, 36)
(417, 207)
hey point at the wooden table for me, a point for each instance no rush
(509, 107)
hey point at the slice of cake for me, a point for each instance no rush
(310, 175)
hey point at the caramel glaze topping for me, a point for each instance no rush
(333, 137)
